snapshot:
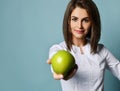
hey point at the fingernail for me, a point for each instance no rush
(61, 76)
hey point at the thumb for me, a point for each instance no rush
(49, 61)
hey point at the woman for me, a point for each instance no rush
(82, 29)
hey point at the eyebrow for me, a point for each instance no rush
(83, 18)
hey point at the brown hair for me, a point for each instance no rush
(95, 31)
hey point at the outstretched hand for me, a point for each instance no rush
(60, 76)
(56, 76)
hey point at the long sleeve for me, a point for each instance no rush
(113, 64)
(55, 48)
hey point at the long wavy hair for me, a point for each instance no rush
(95, 31)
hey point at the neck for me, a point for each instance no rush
(79, 42)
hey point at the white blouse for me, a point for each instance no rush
(91, 67)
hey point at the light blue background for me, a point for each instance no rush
(27, 30)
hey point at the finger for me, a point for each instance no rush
(71, 73)
(49, 61)
(57, 76)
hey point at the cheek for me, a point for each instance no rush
(72, 25)
(87, 27)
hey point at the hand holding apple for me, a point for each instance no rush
(64, 63)
(55, 76)
(60, 76)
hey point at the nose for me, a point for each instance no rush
(80, 24)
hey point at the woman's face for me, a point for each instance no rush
(80, 23)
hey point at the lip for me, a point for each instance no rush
(79, 31)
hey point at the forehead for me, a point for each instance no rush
(79, 12)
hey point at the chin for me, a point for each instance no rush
(80, 36)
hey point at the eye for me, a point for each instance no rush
(86, 20)
(74, 19)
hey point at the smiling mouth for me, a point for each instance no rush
(79, 31)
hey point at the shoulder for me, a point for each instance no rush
(59, 46)
(56, 47)
(100, 47)
(102, 50)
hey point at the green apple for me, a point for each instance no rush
(62, 62)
